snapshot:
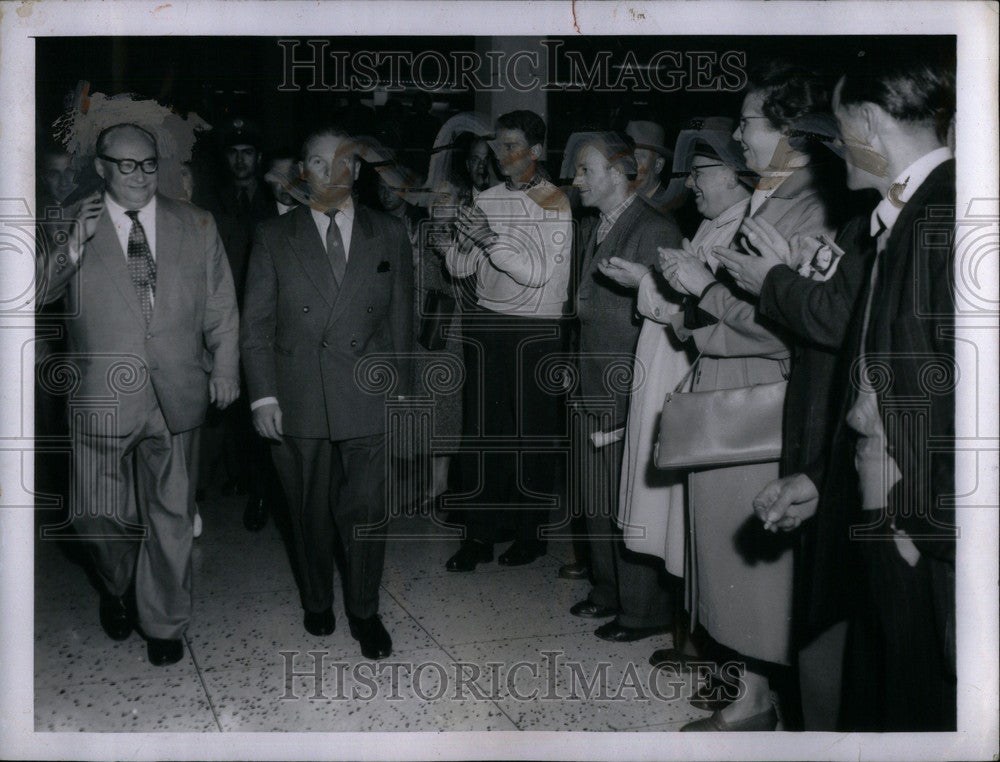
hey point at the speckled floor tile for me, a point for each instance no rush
(404, 693)
(245, 563)
(137, 704)
(249, 631)
(71, 648)
(467, 608)
(579, 682)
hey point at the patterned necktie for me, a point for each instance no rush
(335, 248)
(141, 266)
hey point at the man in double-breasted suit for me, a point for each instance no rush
(154, 327)
(330, 284)
(627, 585)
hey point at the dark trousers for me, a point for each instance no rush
(336, 494)
(631, 582)
(900, 674)
(513, 424)
(121, 485)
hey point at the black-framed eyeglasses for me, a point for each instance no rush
(128, 166)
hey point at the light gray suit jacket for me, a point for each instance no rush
(193, 333)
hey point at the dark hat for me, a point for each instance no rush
(239, 131)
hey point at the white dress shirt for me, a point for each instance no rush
(345, 221)
(123, 223)
(123, 226)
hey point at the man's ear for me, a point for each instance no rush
(658, 165)
(99, 168)
(357, 167)
(535, 152)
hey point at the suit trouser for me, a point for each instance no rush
(624, 580)
(503, 398)
(120, 483)
(901, 657)
(820, 668)
(335, 489)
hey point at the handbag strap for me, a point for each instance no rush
(680, 384)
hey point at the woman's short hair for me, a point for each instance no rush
(790, 92)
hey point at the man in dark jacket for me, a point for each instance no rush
(889, 481)
(627, 585)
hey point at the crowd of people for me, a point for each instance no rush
(543, 326)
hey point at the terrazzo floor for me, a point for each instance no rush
(496, 649)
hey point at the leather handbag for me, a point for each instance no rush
(438, 309)
(724, 427)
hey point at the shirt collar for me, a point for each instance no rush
(736, 211)
(117, 212)
(903, 188)
(612, 217)
(346, 212)
(534, 181)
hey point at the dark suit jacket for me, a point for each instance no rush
(817, 315)
(303, 339)
(237, 233)
(193, 334)
(909, 334)
(609, 326)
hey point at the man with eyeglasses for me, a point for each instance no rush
(154, 329)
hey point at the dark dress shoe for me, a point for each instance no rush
(255, 514)
(115, 620)
(375, 641)
(164, 652)
(519, 554)
(574, 571)
(471, 552)
(615, 632)
(716, 723)
(590, 610)
(320, 623)
(671, 657)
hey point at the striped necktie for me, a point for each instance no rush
(335, 248)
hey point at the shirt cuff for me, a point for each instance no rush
(263, 401)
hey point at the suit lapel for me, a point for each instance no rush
(359, 260)
(305, 242)
(107, 250)
(169, 249)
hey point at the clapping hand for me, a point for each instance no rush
(684, 270)
(473, 227)
(750, 271)
(623, 272)
(787, 502)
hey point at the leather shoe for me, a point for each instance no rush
(375, 641)
(764, 721)
(115, 620)
(320, 623)
(255, 514)
(519, 554)
(590, 610)
(671, 657)
(576, 570)
(471, 553)
(618, 633)
(164, 652)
